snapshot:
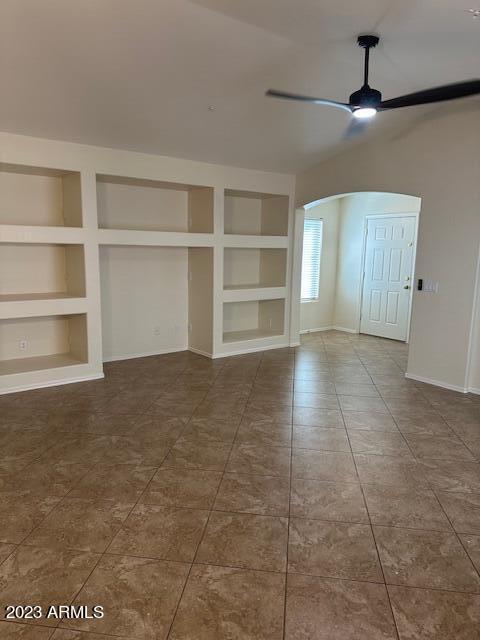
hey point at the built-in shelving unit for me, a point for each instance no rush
(43, 282)
(32, 344)
(254, 268)
(255, 214)
(35, 196)
(254, 274)
(251, 320)
(41, 271)
(150, 205)
(107, 255)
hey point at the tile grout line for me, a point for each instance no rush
(102, 554)
(457, 535)
(167, 635)
(289, 517)
(212, 509)
(431, 488)
(375, 540)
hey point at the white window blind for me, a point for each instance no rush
(312, 250)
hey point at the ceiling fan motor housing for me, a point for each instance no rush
(367, 41)
(366, 97)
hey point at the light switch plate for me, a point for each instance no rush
(430, 286)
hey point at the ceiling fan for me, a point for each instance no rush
(366, 102)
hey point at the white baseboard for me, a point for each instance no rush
(437, 383)
(344, 329)
(199, 352)
(132, 356)
(295, 344)
(316, 330)
(330, 328)
(51, 383)
(240, 352)
(474, 390)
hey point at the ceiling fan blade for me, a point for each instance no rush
(356, 128)
(273, 93)
(436, 94)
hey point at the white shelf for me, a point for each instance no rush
(154, 238)
(255, 242)
(20, 297)
(39, 363)
(246, 293)
(250, 320)
(38, 305)
(41, 235)
(255, 269)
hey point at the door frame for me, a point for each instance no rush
(374, 216)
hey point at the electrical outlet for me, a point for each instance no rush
(23, 345)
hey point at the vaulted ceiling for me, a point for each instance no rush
(187, 78)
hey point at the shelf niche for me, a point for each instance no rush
(33, 196)
(254, 268)
(156, 300)
(252, 320)
(51, 341)
(41, 271)
(255, 214)
(147, 205)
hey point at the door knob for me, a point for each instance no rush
(407, 286)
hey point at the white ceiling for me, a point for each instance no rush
(141, 74)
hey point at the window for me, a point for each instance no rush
(312, 250)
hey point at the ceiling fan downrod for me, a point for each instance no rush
(365, 102)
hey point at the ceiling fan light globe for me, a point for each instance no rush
(363, 113)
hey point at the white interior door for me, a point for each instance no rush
(387, 283)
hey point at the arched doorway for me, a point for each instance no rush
(351, 280)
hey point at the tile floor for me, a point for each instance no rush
(309, 493)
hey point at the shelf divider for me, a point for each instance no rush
(155, 238)
(255, 242)
(243, 294)
(40, 305)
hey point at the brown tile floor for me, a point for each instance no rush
(309, 493)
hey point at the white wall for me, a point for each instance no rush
(240, 316)
(241, 266)
(131, 206)
(44, 336)
(144, 300)
(354, 209)
(474, 368)
(32, 269)
(30, 199)
(319, 314)
(243, 215)
(437, 159)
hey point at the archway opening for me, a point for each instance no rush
(358, 261)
